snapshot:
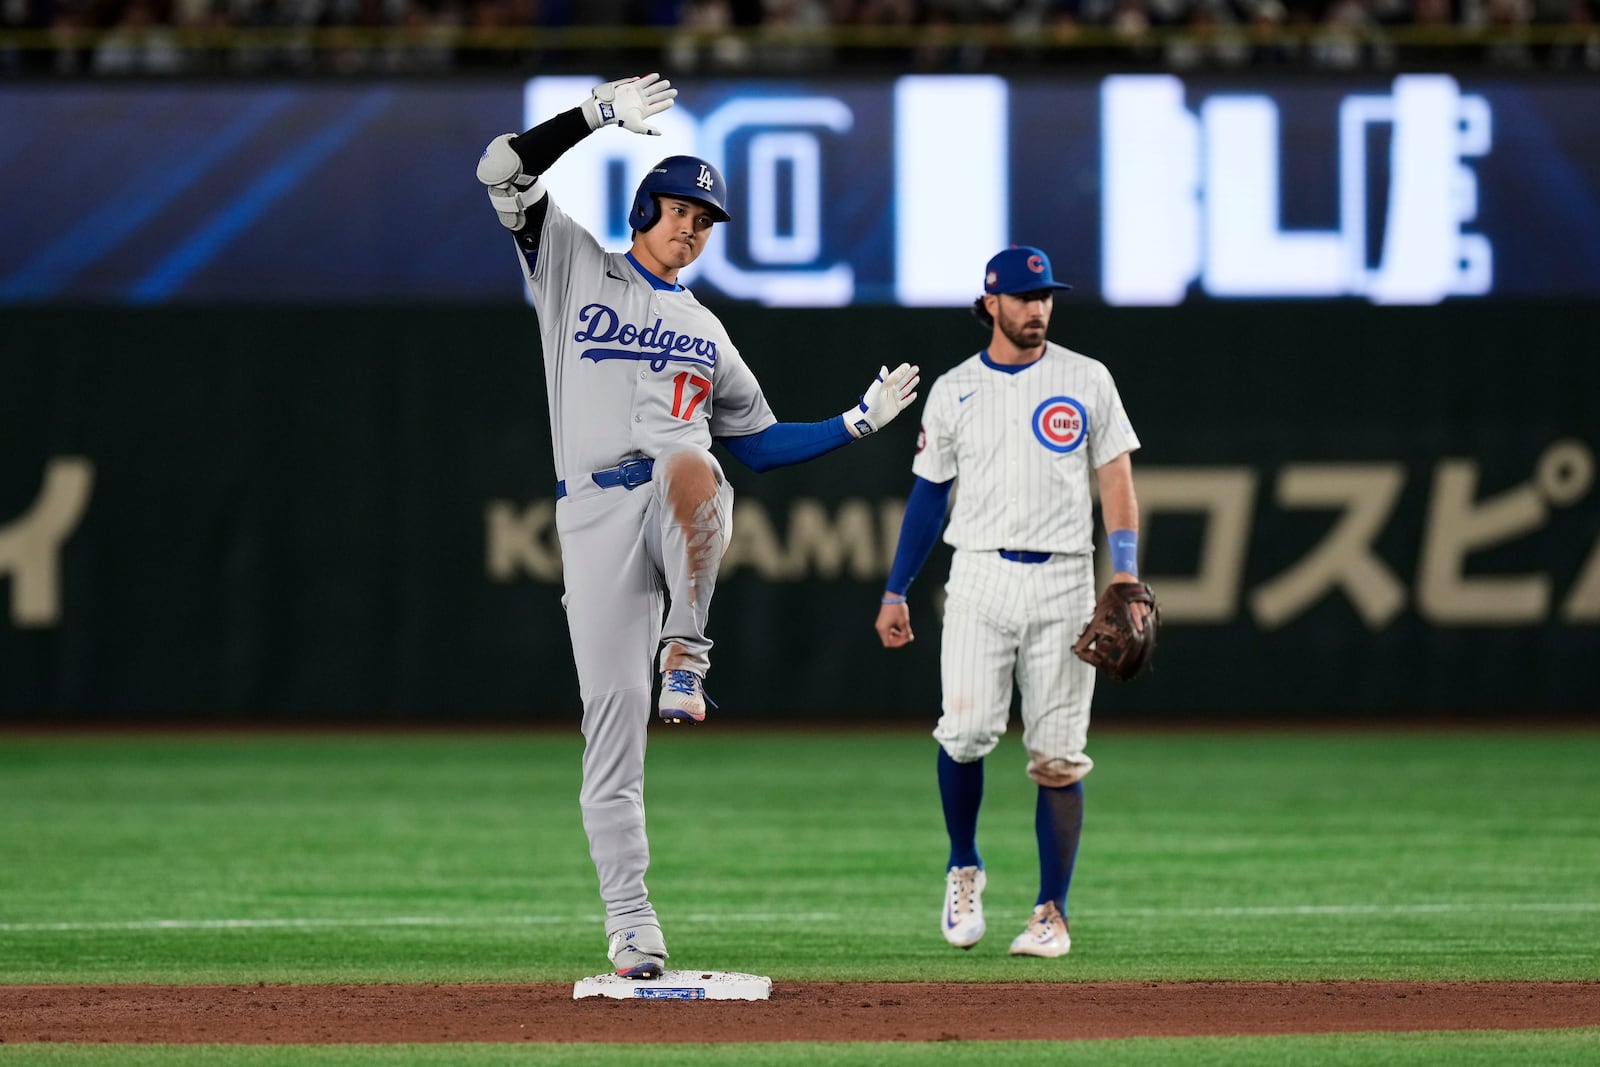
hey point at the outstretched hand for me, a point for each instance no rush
(890, 393)
(627, 102)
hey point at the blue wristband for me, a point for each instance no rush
(1124, 551)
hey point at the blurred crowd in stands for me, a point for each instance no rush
(164, 37)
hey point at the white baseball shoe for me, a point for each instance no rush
(683, 698)
(1045, 935)
(963, 906)
(638, 952)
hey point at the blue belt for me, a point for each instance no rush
(630, 474)
(1024, 557)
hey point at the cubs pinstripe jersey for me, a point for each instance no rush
(630, 368)
(1022, 446)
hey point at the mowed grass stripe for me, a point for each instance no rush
(773, 917)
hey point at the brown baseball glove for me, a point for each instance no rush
(1110, 642)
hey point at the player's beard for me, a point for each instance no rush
(1027, 334)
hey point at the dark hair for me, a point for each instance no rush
(981, 313)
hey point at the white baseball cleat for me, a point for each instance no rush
(637, 953)
(1045, 935)
(963, 906)
(683, 697)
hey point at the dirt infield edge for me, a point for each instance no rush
(797, 1011)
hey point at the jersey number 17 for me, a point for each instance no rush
(702, 389)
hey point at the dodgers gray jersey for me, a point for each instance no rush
(1023, 445)
(630, 369)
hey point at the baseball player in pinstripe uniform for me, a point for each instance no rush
(1016, 431)
(641, 379)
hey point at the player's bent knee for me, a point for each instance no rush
(686, 458)
(690, 470)
(1058, 772)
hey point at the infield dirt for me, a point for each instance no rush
(798, 1011)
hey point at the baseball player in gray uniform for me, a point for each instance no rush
(1016, 431)
(641, 379)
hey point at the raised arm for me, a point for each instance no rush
(512, 163)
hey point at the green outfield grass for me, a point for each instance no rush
(804, 856)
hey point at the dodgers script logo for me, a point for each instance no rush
(1060, 424)
(660, 347)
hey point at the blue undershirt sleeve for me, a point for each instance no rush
(785, 443)
(919, 531)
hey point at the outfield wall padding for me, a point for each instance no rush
(274, 514)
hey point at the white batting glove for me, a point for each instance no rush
(889, 394)
(628, 102)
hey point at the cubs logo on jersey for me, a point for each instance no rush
(1061, 424)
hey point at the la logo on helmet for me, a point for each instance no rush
(704, 181)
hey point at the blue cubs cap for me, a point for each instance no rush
(1020, 269)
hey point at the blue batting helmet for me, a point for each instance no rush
(685, 177)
